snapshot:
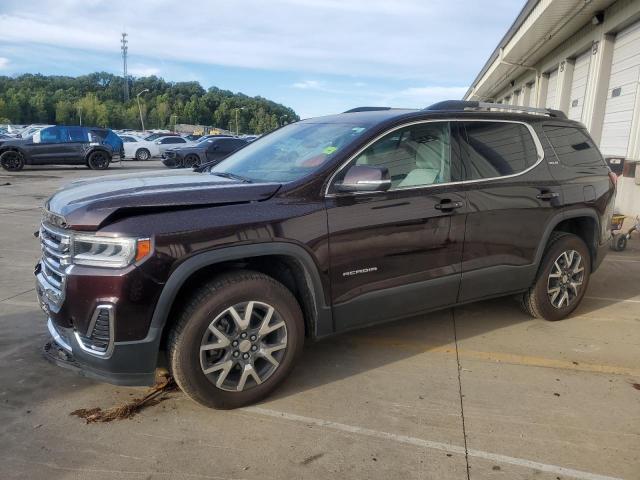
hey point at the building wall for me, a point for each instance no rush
(594, 77)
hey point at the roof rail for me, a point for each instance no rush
(367, 109)
(459, 105)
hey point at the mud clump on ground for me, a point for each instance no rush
(154, 395)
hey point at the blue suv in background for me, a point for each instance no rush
(94, 147)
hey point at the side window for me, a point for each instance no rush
(573, 147)
(225, 145)
(496, 149)
(51, 135)
(213, 146)
(77, 134)
(418, 155)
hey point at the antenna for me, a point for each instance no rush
(125, 49)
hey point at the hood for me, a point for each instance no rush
(187, 149)
(14, 141)
(91, 204)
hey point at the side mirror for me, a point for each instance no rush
(365, 178)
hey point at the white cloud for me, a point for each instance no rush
(404, 39)
(4, 62)
(143, 71)
(308, 85)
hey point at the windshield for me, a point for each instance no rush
(291, 152)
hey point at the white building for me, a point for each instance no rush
(581, 57)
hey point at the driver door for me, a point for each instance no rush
(50, 145)
(398, 252)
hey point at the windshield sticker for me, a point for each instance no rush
(329, 150)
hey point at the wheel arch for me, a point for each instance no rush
(95, 149)
(583, 222)
(288, 263)
(22, 151)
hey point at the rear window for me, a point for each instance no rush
(573, 147)
(496, 149)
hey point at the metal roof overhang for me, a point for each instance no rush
(541, 26)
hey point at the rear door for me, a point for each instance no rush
(398, 252)
(511, 197)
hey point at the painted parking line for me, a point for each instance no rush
(497, 357)
(614, 300)
(621, 260)
(422, 443)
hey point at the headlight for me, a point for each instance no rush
(111, 252)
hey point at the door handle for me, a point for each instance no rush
(547, 196)
(448, 205)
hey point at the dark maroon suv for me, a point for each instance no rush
(322, 226)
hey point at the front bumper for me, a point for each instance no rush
(131, 362)
(128, 364)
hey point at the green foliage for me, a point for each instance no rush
(98, 98)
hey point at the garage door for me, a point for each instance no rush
(623, 92)
(579, 85)
(552, 90)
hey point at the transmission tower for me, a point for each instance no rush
(125, 76)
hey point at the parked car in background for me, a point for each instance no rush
(31, 130)
(213, 149)
(193, 137)
(138, 148)
(165, 143)
(156, 135)
(62, 145)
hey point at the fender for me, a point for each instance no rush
(323, 320)
(559, 217)
(92, 148)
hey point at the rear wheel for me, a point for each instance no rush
(562, 280)
(98, 160)
(12, 161)
(619, 242)
(191, 161)
(237, 339)
(143, 154)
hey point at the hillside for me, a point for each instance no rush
(58, 99)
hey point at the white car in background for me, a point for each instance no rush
(140, 149)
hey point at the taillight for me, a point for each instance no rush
(613, 177)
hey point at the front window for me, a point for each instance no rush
(290, 153)
(415, 156)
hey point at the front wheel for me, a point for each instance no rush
(98, 160)
(143, 154)
(191, 161)
(237, 339)
(12, 161)
(562, 280)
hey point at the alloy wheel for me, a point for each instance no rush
(566, 279)
(243, 346)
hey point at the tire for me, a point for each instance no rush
(12, 161)
(557, 275)
(143, 154)
(619, 242)
(191, 161)
(98, 160)
(242, 351)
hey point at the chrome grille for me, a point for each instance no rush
(56, 254)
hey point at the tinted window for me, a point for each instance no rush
(415, 156)
(573, 146)
(53, 135)
(77, 134)
(495, 149)
(128, 139)
(173, 140)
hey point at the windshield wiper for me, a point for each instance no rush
(232, 176)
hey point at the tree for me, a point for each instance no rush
(38, 98)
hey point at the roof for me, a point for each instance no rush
(540, 28)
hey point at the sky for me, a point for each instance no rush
(316, 56)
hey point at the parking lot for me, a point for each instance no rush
(480, 391)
